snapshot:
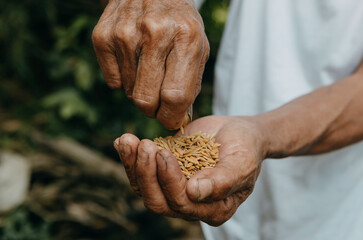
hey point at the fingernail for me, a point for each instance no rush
(125, 150)
(142, 156)
(161, 162)
(205, 188)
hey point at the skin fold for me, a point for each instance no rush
(156, 51)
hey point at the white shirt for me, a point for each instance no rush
(272, 52)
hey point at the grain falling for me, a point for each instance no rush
(193, 153)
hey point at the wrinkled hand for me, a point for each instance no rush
(211, 195)
(156, 50)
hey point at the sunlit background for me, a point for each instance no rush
(59, 175)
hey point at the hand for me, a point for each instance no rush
(156, 50)
(211, 195)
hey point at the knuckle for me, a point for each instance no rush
(190, 28)
(223, 213)
(146, 104)
(125, 33)
(229, 206)
(175, 97)
(146, 145)
(100, 36)
(156, 208)
(243, 194)
(153, 26)
(180, 207)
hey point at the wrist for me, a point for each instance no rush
(258, 132)
(277, 140)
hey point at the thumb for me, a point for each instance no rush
(233, 173)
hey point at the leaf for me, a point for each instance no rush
(70, 104)
(68, 37)
(83, 74)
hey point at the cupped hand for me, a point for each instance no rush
(156, 51)
(211, 195)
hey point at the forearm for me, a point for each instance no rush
(324, 120)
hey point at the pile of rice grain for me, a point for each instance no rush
(194, 152)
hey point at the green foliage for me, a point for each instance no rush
(70, 104)
(214, 15)
(21, 225)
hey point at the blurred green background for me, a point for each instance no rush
(50, 84)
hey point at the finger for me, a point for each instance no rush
(146, 171)
(126, 38)
(182, 68)
(127, 146)
(103, 46)
(205, 57)
(106, 59)
(224, 210)
(233, 173)
(151, 67)
(173, 184)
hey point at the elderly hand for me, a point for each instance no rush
(211, 195)
(156, 50)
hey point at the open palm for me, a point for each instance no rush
(211, 195)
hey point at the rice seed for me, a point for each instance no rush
(194, 153)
